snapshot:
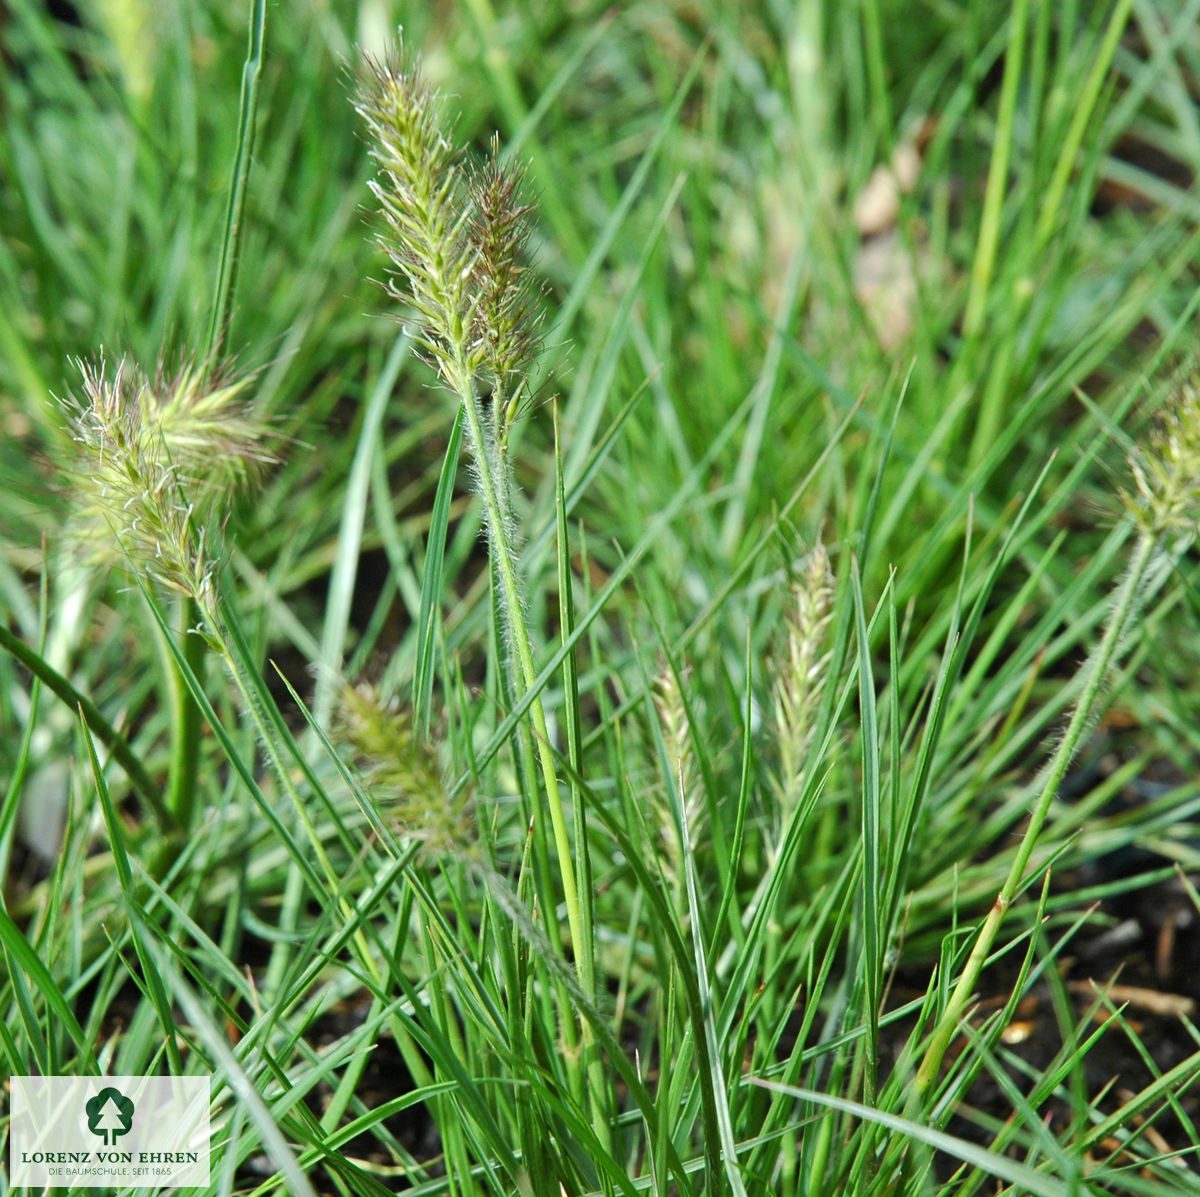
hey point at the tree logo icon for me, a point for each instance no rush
(109, 1114)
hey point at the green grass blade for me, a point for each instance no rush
(235, 216)
(110, 737)
(872, 894)
(716, 1105)
(350, 533)
(431, 578)
(1037, 1183)
(150, 977)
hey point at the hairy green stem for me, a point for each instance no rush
(493, 483)
(1097, 667)
(495, 511)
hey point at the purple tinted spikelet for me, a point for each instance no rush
(508, 315)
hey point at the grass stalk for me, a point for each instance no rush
(455, 238)
(235, 214)
(495, 509)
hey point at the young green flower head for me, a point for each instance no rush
(804, 660)
(1166, 472)
(681, 765)
(400, 772)
(419, 192)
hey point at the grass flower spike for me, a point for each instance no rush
(1165, 504)
(420, 195)
(681, 761)
(801, 677)
(507, 317)
(160, 457)
(456, 241)
(401, 772)
(1166, 474)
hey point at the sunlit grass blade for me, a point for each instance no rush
(350, 533)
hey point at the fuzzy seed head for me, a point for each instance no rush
(456, 240)
(681, 761)
(419, 193)
(158, 458)
(507, 318)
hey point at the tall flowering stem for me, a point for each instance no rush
(158, 458)
(455, 239)
(1165, 507)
